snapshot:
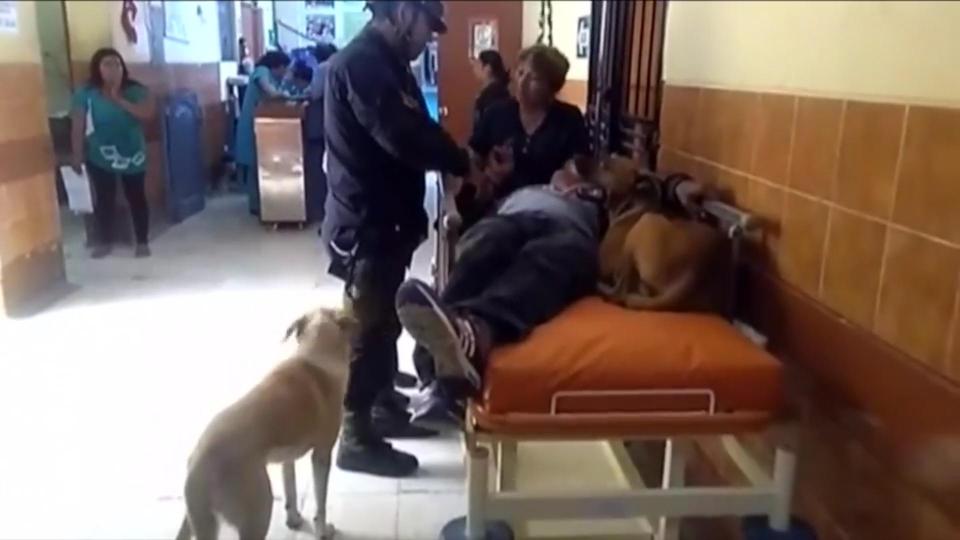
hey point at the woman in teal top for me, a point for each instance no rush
(107, 136)
(264, 83)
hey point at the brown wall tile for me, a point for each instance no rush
(726, 127)
(804, 231)
(26, 157)
(728, 185)
(851, 278)
(28, 78)
(953, 361)
(766, 202)
(928, 192)
(868, 156)
(917, 294)
(814, 159)
(23, 118)
(678, 116)
(26, 277)
(771, 153)
(669, 160)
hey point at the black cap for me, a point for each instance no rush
(433, 9)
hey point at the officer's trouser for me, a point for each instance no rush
(370, 293)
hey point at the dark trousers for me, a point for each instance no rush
(516, 272)
(315, 180)
(105, 201)
(370, 294)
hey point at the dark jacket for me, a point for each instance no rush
(380, 142)
(493, 93)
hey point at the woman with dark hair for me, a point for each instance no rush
(489, 68)
(108, 114)
(263, 84)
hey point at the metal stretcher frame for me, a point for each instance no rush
(767, 494)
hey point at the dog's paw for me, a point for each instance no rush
(295, 521)
(324, 531)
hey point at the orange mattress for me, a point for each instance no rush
(681, 363)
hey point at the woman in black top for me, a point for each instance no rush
(489, 68)
(523, 141)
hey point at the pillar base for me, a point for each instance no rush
(457, 530)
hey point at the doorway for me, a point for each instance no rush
(51, 20)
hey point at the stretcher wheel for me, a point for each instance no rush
(457, 530)
(758, 528)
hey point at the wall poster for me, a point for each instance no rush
(483, 36)
(583, 37)
(8, 17)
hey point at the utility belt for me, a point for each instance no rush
(349, 245)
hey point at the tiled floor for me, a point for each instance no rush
(103, 395)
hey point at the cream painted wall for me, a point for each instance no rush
(565, 15)
(22, 45)
(89, 25)
(203, 26)
(52, 38)
(890, 51)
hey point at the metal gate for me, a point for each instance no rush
(625, 79)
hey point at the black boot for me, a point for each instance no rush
(392, 421)
(363, 450)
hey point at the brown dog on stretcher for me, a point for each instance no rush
(654, 257)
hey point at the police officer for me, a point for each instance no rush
(380, 141)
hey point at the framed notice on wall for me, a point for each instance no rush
(8, 17)
(583, 37)
(175, 16)
(483, 36)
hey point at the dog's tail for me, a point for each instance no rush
(669, 299)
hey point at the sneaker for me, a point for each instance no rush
(142, 251)
(391, 423)
(362, 451)
(101, 251)
(452, 340)
(404, 380)
(439, 411)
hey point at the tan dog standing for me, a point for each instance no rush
(651, 259)
(295, 409)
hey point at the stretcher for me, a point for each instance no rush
(598, 372)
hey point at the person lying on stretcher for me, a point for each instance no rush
(515, 270)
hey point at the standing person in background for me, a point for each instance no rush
(107, 137)
(380, 143)
(489, 68)
(264, 84)
(314, 145)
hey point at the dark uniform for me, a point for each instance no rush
(380, 142)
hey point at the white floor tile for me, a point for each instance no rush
(359, 516)
(421, 516)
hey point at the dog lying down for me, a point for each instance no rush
(654, 257)
(295, 409)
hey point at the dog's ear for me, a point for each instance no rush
(346, 321)
(297, 328)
